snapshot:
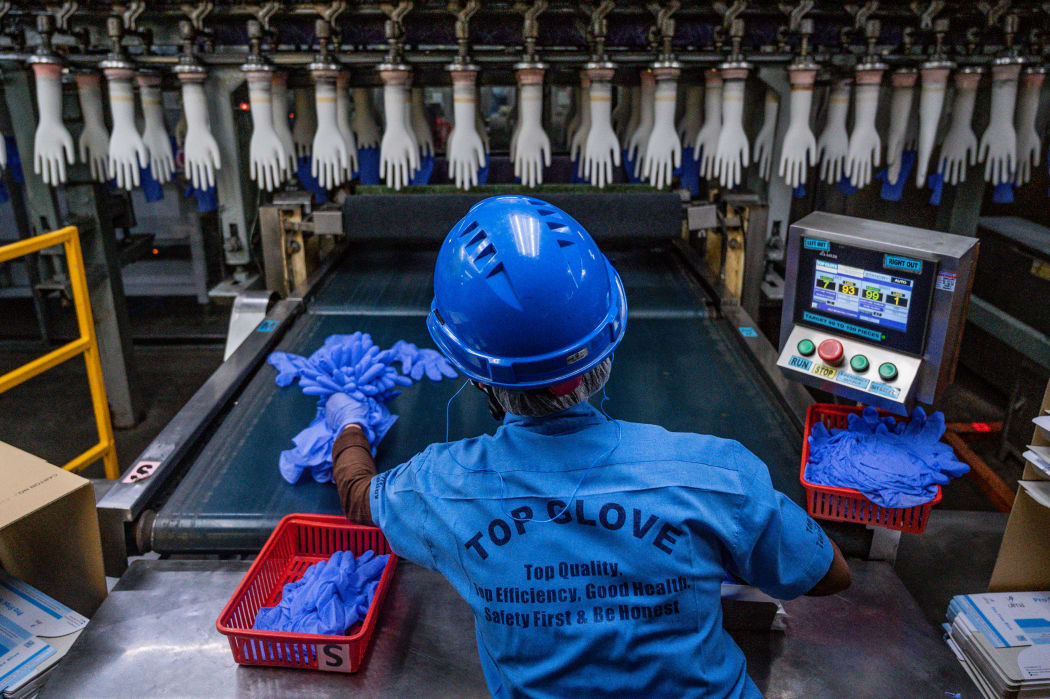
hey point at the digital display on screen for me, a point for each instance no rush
(862, 294)
(866, 293)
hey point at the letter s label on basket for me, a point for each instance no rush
(333, 657)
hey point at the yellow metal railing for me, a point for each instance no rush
(85, 344)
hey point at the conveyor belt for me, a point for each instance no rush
(678, 366)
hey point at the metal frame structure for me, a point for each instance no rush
(85, 344)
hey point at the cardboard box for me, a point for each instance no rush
(49, 534)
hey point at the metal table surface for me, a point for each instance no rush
(678, 366)
(155, 637)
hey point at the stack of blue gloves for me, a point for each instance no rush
(894, 464)
(331, 596)
(354, 380)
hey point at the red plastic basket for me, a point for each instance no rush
(298, 542)
(847, 504)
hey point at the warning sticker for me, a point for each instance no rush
(946, 281)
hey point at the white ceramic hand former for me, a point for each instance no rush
(577, 114)
(279, 95)
(903, 81)
(634, 96)
(865, 146)
(733, 153)
(94, 139)
(3, 152)
(833, 145)
(364, 121)
(420, 125)
(398, 153)
(663, 152)
(52, 145)
(269, 162)
(638, 141)
(602, 150)
(1027, 138)
(800, 147)
(532, 149)
(155, 136)
(481, 127)
(931, 103)
(342, 120)
(998, 149)
(329, 158)
(200, 151)
(466, 152)
(127, 151)
(764, 139)
(305, 123)
(705, 148)
(621, 113)
(692, 117)
(579, 138)
(959, 149)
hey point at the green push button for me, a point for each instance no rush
(806, 348)
(887, 371)
(859, 363)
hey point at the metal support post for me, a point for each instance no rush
(233, 187)
(107, 297)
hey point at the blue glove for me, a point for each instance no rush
(373, 417)
(936, 183)
(894, 464)
(690, 171)
(893, 192)
(1003, 193)
(799, 192)
(330, 598)
(151, 189)
(846, 187)
(483, 171)
(368, 165)
(415, 362)
(426, 169)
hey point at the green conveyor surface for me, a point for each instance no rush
(678, 366)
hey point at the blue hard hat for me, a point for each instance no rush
(523, 297)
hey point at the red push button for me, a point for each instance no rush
(830, 351)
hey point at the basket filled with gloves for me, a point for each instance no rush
(867, 466)
(312, 597)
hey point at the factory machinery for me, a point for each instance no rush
(342, 141)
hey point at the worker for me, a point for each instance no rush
(591, 550)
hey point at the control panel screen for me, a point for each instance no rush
(865, 293)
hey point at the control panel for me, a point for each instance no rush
(873, 311)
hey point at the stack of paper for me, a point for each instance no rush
(35, 633)
(1002, 640)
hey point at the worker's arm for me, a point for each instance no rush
(352, 471)
(837, 579)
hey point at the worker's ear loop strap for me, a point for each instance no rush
(503, 485)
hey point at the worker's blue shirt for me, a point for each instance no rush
(620, 594)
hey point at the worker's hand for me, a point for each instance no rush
(342, 410)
